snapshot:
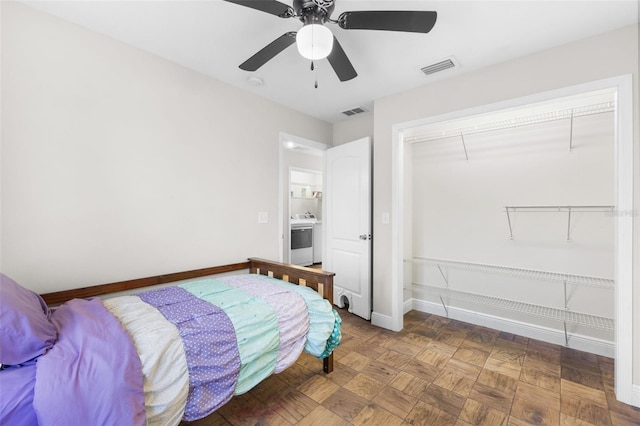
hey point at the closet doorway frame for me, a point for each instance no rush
(622, 86)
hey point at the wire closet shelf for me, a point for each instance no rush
(560, 277)
(564, 114)
(556, 209)
(562, 315)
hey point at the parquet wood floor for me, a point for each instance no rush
(435, 372)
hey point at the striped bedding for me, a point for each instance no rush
(176, 353)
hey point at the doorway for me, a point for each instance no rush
(339, 234)
(304, 159)
(305, 215)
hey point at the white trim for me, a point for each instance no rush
(623, 85)
(635, 395)
(532, 331)
(384, 321)
(280, 200)
(319, 146)
(397, 255)
(624, 241)
(407, 306)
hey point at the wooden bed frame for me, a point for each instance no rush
(319, 280)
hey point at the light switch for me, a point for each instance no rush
(385, 218)
(263, 217)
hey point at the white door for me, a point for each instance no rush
(347, 222)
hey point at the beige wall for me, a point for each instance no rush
(353, 128)
(608, 55)
(117, 164)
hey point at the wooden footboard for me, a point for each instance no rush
(319, 280)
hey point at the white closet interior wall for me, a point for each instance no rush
(459, 189)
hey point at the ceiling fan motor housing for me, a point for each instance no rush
(313, 11)
(314, 14)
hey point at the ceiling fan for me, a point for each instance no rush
(315, 41)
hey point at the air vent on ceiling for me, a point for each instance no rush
(354, 111)
(439, 66)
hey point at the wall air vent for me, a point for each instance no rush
(354, 111)
(439, 66)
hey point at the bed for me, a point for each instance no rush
(163, 355)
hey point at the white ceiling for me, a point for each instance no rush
(213, 37)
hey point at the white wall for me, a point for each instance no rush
(608, 55)
(117, 164)
(458, 204)
(458, 209)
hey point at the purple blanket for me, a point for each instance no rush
(210, 345)
(104, 382)
(18, 382)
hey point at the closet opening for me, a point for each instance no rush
(514, 218)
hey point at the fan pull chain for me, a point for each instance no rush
(315, 85)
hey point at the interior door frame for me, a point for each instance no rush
(623, 86)
(283, 179)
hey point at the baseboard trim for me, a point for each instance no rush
(407, 306)
(384, 321)
(579, 342)
(635, 396)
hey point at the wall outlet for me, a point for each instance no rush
(263, 217)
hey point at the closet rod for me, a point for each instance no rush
(600, 108)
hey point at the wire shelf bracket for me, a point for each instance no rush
(464, 145)
(555, 209)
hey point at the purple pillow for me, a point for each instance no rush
(25, 330)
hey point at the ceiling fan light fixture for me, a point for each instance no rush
(314, 41)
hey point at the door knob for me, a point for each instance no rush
(365, 237)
